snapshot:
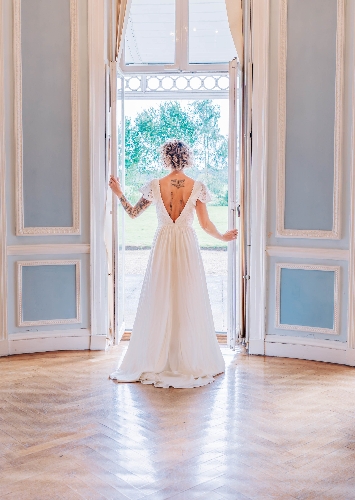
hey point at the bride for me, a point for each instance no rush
(173, 342)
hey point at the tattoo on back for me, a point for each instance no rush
(133, 212)
(178, 183)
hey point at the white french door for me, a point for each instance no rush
(118, 221)
(235, 309)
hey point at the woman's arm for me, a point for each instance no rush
(138, 208)
(208, 226)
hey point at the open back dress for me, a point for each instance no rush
(173, 341)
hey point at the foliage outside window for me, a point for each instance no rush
(198, 125)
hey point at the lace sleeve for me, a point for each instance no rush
(204, 194)
(147, 191)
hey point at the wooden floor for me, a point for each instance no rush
(268, 428)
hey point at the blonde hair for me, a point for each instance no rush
(176, 155)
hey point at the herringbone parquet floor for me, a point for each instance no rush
(268, 428)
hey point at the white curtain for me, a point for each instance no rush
(123, 7)
(235, 19)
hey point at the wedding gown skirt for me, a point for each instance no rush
(173, 342)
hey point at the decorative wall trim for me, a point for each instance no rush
(283, 339)
(351, 303)
(47, 344)
(308, 253)
(3, 261)
(336, 270)
(53, 340)
(4, 348)
(21, 230)
(80, 332)
(21, 264)
(256, 306)
(280, 223)
(310, 352)
(97, 25)
(98, 342)
(49, 249)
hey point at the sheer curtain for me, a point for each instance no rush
(235, 19)
(122, 11)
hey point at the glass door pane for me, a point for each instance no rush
(118, 229)
(150, 35)
(108, 210)
(210, 40)
(234, 158)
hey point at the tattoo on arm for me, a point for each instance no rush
(178, 183)
(133, 212)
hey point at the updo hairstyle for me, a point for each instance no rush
(176, 155)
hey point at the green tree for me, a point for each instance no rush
(197, 125)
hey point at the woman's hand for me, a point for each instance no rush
(230, 235)
(115, 185)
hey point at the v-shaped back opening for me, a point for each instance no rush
(187, 201)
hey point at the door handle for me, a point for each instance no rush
(238, 210)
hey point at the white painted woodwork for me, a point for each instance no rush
(98, 257)
(49, 249)
(21, 230)
(3, 262)
(257, 287)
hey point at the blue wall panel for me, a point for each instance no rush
(310, 114)
(307, 298)
(48, 292)
(46, 113)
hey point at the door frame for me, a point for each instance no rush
(3, 248)
(235, 294)
(99, 35)
(118, 217)
(97, 27)
(258, 59)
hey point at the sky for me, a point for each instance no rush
(133, 107)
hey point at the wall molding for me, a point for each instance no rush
(49, 249)
(258, 185)
(79, 332)
(50, 343)
(3, 260)
(53, 340)
(20, 265)
(97, 23)
(283, 339)
(308, 253)
(308, 352)
(329, 331)
(4, 348)
(281, 172)
(351, 302)
(98, 342)
(21, 230)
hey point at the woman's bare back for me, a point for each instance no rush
(175, 190)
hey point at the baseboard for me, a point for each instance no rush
(98, 342)
(54, 340)
(4, 348)
(350, 357)
(287, 339)
(120, 333)
(309, 352)
(80, 332)
(26, 346)
(256, 346)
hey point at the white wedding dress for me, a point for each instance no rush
(173, 342)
